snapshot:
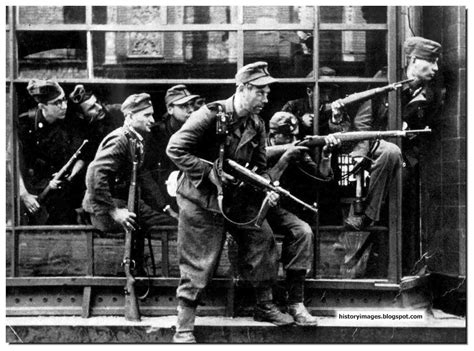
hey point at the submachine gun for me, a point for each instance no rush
(249, 177)
(131, 309)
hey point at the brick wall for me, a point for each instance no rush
(444, 179)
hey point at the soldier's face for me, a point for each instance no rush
(93, 111)
(142, 120)
(55, 109)
(255, 98)
(283, 138)
(181, 112)
(424, 70)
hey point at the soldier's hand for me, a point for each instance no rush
(357, 159)
(125, 218)
(273, 198)
(294, 152)
(307, 120)
(337, 111)
(331, 143)
(226, 178)
(31, 204)
(55, 184)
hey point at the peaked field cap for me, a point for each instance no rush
(44, 90)
(135, 103)
(79, 94)
(254, 73)
(178, 95)
(422, 48)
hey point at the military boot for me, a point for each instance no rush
(266, 311)
(185, 325)
(295, 287)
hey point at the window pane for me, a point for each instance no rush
(353, 14)
(52, 54)
(288, 53)
(7, 54)
(353, 53)
(165, 54)
(52, 14)
(9, 162)
(279, 14)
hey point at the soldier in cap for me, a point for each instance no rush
(180, 104)
(418, 101)
(298, 173)
(91, 119)
(45, 147)
(108, 176)
(226, 129)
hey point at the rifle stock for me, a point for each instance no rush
(131, 309)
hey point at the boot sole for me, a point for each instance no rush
(261, 319)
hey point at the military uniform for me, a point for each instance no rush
(201, 228)
(44, 150)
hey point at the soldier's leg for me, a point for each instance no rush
(200, 241)
(258, 264)
(297, 253)
(387, 162)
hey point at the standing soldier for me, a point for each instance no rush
(109, 174)
(157, 165)
(240, 136)
(45, 147)
(297, 172)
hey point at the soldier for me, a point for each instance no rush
(202, 226)
(158, 167)
(45, 147)
(422, 65)
(298, 174)
(108, 177)
(89, 119)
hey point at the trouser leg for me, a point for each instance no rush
(387, 160)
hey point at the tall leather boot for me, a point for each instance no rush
(185, 325)
(296, 308)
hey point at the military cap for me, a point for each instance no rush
(44, 90)
(254, 73)
(324, 71)
(135, 103)
(422, 48)
(178, 95)
(284, 122)
(81, 97)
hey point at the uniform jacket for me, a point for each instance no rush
(157, 166)
(197, 139)
(97, 130)
(108, 175)
(44, 148)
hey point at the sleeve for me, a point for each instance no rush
(259, 158)
(102, 171)
(183, 144)
(363, 121)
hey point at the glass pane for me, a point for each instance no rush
(9, 162)
(52, 54)
(127, 15)
(279, 14)
(353, 53)
(165, 54)
(353, 14)
(288, 53)
(352, 255)
(7, 54)
(52, 14)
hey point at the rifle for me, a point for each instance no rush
(247, 176)
(318, 140)
(365, 95)
(132, 312)
(41, 216)
(368, 94)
